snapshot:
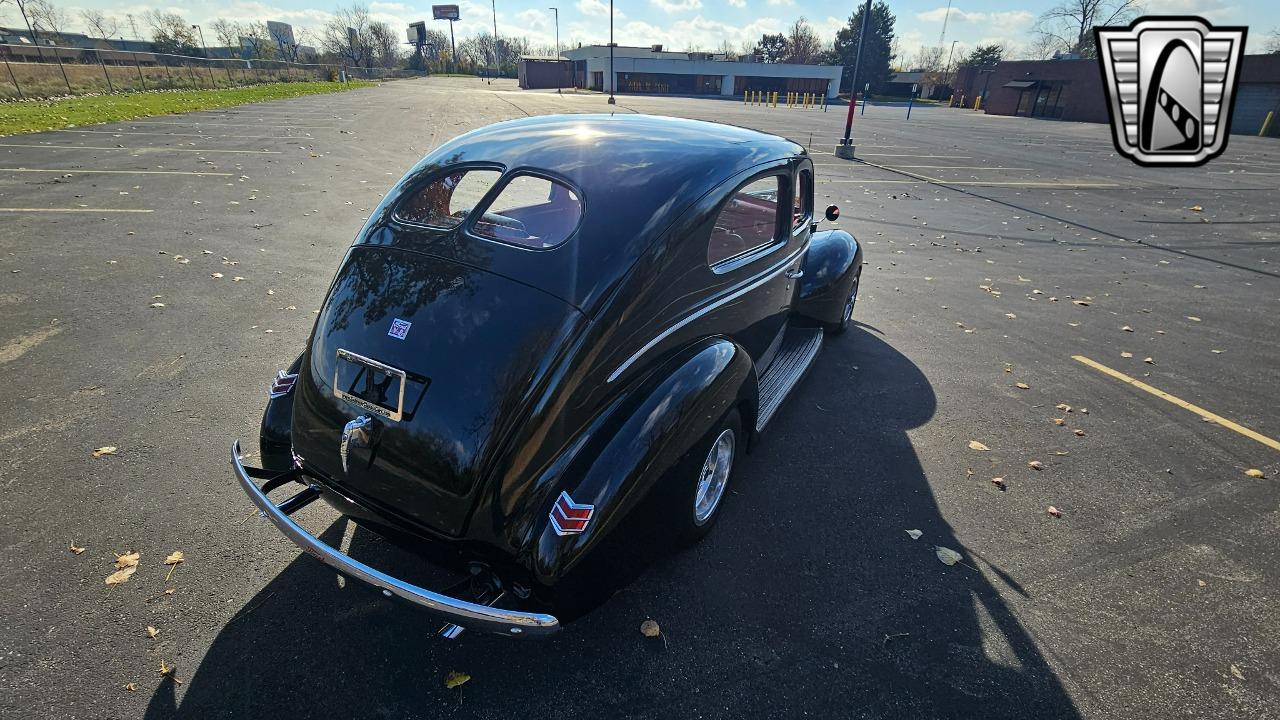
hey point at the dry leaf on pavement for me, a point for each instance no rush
(120, 577)
(1196, 208)
(455, 678)
(1149, 361)
(127, 560)
(156, 305)
(998, 482)
(105, 450)
(1255, 473)
(75, 550)
(1193, 318)
(1079, 432)
(152, 632)
(1126, 354)
(174, 558)
(1054, 511)
(1022, 386)
(975, 445)
(1063, 407)
(131, 687)
(946, 555)
(215, 276)
(1126, 328)
(1035, 465)
(650, 629)
(1059, 421)
(915, 534)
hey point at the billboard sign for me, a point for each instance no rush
(444, 12)
(417, 33)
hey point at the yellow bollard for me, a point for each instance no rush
(951, 101)
(977, 103)
(775, 99)
(745, 93)
(1266, 124)
(807, 100)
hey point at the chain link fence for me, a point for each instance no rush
(48, 71)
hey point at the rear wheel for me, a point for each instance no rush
(846, 313)
(700, 481)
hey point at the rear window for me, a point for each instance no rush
(531, 212)
(447, 200)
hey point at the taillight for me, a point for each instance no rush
(568, 517)
(282, 384)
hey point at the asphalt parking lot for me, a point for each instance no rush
(1013, 266)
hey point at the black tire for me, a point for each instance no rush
(846, 316)
(682, 512)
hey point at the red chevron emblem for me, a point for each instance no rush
(568, 517)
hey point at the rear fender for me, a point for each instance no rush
(829, 267)
(635, 443)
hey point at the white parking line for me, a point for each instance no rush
(180, 134)
(239, 124)
(956, 167)
(71, 210)
(949, 157)
(145, 149)
(71, 171)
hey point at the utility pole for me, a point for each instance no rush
(497, 49)
(845, 148)
(205, 45)
(559, 75)
(613, 79)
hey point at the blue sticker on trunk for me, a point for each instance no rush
(399, 328)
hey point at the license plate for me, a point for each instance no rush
(369, 384)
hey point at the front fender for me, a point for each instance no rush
(642, 436)
(833, 259)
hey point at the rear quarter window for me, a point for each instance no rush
(448, 199)
(532, 212)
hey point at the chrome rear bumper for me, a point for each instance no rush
(469, 615)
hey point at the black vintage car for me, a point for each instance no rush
(548, 325)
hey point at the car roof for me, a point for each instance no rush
(635, 174)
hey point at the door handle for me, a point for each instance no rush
(795, 273)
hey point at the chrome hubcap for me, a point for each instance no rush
(714, 477)
(853, 297)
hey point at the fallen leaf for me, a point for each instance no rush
(1084, 411)
(156, 305)
(1126, 328)
(1035, 465)
(1059, 421)
(1202, 583)
(1054, 511)
(1063, 407)
(75, 550)
(1022, 386)
(455, 678)
(1079, 432)
(975, 445)
(131, 687)
(947, 555)
(915, 534)
(1196, 208)
(174, 558)
(1082, 303)
(271, 292)
(215, 276)
(127, 560)
(650, 629)
(152, 632)
(1149, 361)
(121, 577)
(167, 671)
(105, 450)
(1236, 672)
(1011, 316)
(1126, 354)
(237, 278)
(998, 482)
(1193, 318)
(1255, 473)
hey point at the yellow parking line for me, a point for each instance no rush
(143, 149)
(1269, 442)
(71, 210)
(70, 171)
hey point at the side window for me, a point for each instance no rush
(531, 212)
(445, 201)
(748, 221)
(802, 204)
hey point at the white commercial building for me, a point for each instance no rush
(651, 70)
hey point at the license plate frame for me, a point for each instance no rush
(369, 364)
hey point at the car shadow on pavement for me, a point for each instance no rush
(809, 597)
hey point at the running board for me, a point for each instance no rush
(800, 346)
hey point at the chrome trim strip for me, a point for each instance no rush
(743, 289)
(460, 612)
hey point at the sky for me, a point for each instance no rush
(683, 24)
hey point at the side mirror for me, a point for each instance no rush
(833, 213)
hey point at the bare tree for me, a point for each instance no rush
(384, 43)
(1273, 42)
(227, 32)
(100, 24)
(47, 18)
(353, 47)
(1070, 25)
(930, 59)
(804, 47)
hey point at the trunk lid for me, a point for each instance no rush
(443, 359)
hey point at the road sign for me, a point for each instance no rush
(444, 12)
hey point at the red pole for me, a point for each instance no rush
(848, 121)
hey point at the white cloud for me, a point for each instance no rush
(598, 8)
(738, 3)
(676, 5)
(781, 3)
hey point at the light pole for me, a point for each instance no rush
(949, 54)
(613, 79)
(845, 148)
(205, 45)
(497, 49)
(559, 75)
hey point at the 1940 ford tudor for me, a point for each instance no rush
(546, 326)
